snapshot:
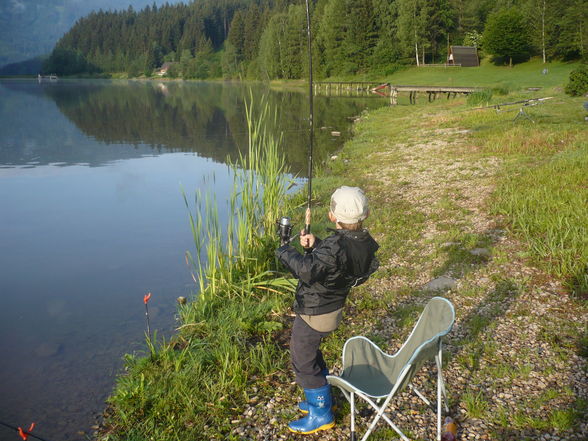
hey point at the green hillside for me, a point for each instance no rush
(520, 76)
(267, 39)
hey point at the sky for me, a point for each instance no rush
(29, 28)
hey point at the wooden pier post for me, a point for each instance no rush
(393, 95)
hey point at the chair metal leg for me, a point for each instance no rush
(346, 394)
(352, 401)
(440, 376)
(380, 414)
(439, 407)
(419, 394)
(441, 393)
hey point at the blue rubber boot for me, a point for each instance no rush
(320, 416)
(303, 405)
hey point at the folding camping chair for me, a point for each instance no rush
(374, 375)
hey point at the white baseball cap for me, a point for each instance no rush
(349, 205)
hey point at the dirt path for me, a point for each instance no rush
(512, 366)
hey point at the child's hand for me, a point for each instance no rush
(306, 240)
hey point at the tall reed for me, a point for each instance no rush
(236, 259)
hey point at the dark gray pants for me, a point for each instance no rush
(307, 358)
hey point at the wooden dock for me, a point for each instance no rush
(387, 90)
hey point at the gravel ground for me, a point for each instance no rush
(512, 368)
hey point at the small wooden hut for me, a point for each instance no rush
(466, 56)
(164, 68)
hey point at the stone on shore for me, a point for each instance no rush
(443, 283)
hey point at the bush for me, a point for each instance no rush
(501, 90)
(578, 84)
(507, 36)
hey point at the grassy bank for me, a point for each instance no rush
(498, 205)
(187, 388)
(522, 75)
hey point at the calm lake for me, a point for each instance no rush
(92, 218)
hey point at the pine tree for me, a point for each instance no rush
(237, 35)
(251, 32)
(294, 46)
(572, 31)
(362, 35)
(441, 22)
(272, 47)
(331, 34)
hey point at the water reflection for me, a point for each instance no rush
(157, 117)
(92, 217)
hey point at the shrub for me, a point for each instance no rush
(501, 90)
(480, 97)
(578, 84)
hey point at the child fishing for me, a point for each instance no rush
(326, 272)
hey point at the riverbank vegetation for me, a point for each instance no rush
(264, 40)
(494, 199)
(188, 386)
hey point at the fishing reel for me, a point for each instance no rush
(284, 230)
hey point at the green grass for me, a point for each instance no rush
(488, 75)
(500, 79)
(559, 419)
(548, 206)
(543, 189)
(475, 404)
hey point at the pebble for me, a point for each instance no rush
(443, 283)
(481, 252)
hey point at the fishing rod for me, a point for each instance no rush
(146, 298)
(529, 102)
(24, 434)
(310, 119)
(284, 225)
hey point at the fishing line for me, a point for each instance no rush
(310, 119)
(24, 434)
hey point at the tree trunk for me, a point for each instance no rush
(509, 61)
(543, 32)
(416, 46)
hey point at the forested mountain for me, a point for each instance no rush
(266, 39)
(29, 28)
